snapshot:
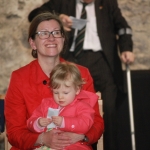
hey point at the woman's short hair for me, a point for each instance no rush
(43, 17)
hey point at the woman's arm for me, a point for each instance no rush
(16, 115)
(17, 111)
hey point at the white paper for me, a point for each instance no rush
(78, 23)
(52, 112)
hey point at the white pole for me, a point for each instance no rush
(130, 107)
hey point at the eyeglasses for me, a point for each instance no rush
(46, 34)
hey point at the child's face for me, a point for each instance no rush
(64, 95)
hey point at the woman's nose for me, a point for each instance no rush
(51, 37)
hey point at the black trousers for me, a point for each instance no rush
(103, 82)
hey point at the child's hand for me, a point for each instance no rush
(57, 120)
(43, 122)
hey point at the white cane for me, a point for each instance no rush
(130, 107)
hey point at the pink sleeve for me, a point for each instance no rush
(34, 126)
(32, 122)
(84, 118)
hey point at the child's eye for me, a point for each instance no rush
(55, 92)
(66, 92)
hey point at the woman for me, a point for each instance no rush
(28, 86)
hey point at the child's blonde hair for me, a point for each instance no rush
(65, 71)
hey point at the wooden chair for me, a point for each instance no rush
(2, 134)
(2, 113)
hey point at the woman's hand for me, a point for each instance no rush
(56, 139)
(74, 137)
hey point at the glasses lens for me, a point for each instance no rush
(43, 34)
(57, 33)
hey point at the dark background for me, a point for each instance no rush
(140, 82)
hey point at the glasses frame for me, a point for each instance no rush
(50, 33)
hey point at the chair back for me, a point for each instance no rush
(2, 118)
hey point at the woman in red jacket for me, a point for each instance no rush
(28, 86)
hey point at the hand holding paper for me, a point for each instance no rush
(52, 112)
(78, 23)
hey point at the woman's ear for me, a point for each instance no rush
(32, 44)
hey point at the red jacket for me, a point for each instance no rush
(25, 93)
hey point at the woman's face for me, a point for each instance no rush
(51, 46)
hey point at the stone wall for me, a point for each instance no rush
(15, 50)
